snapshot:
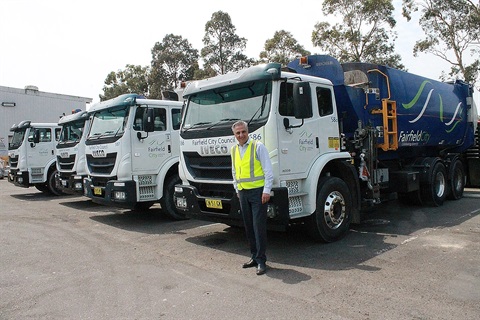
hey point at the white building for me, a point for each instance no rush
(31, 104)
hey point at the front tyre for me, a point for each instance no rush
(167, 201)
(332, 217)
(52, 183)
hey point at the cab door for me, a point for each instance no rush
(301, 144)
(42, 152)
(153, 149)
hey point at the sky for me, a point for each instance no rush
(70, 46)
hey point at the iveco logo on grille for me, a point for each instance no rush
(98, 153)
(64, 154)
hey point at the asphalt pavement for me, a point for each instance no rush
(68, 258)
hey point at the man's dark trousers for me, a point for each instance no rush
(255, 220)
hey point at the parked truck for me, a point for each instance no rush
(132, 151)
(341, 138)
(70, 152)
(31, 155)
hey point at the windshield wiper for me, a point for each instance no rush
(195, 125)
(262, 106)
(220, 121)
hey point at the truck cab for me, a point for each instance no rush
(32, 156)
(70, 151)
(132, 151)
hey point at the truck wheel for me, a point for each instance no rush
(434, 192)
(167, 201)
(42, 187)
(331, 220)
(456, 180)
(143, 206)
(52, 184)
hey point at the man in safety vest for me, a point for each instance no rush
(252, 179)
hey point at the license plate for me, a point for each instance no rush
(64, 183)
(97, 191)
(213, 203)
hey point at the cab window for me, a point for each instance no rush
(286, 100)
(324, 99)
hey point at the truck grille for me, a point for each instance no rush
(66, 163)
(102, 181)
(215, 167)
(101, 165)
(211, 190)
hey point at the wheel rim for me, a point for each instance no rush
(439, 184)
(334, 210)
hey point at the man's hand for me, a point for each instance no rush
(265, 197)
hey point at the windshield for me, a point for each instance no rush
(109, 122)
(17, 139)
(72, 131)
(247, 101)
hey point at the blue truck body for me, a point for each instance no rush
(431, 116)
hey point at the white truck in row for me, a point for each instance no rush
(70, 152)
(31, 155)
(131, 152)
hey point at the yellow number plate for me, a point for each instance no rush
(213, 203)
(97, 191)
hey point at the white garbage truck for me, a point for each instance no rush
(31, 155)
(70, 151)
(132, 151)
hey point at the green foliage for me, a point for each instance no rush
(173, 60)
(363, 35)
(282, 48)
(223, 47)
(452, 33)
(134, 79)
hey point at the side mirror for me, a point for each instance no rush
(302, 100)
(148, 121)
(36, 136)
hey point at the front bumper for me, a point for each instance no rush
(227, 210)
(70, 184)
(106, 195)
(19, 178)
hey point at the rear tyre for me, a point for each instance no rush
(434, 191)
(167, 201)
(456, 180)
(331, 220)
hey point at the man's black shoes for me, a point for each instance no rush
(261, 269)
(250, 264)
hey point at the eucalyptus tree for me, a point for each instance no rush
(282, 48)
(223, 48)
(133, 79)
(173, 60)
(363, 33)
(452, 33)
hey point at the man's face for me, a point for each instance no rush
(241, 133)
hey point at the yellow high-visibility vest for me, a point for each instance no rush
(248, 171)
